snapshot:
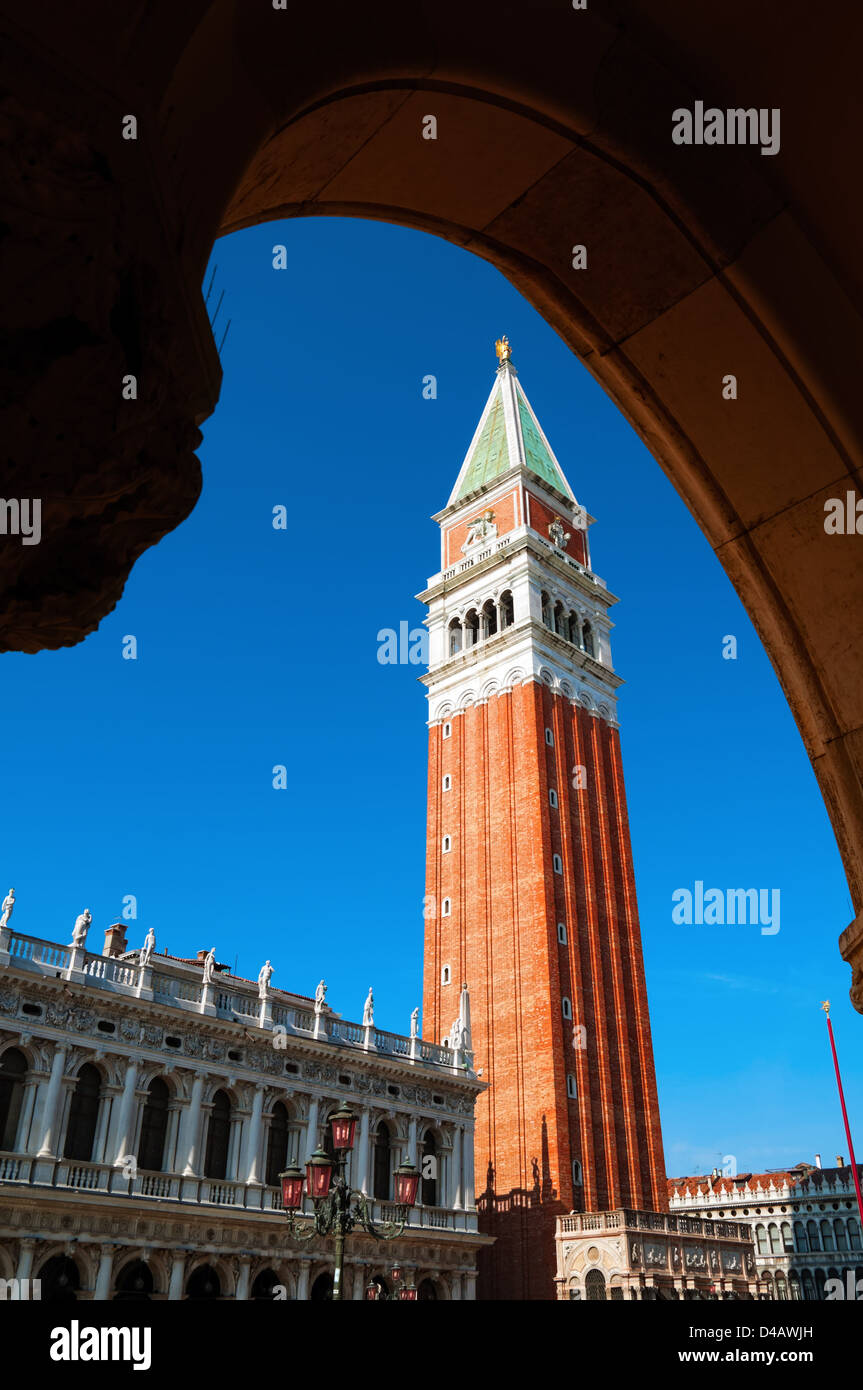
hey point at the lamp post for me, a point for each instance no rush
(338, 1209)
(404, 1292)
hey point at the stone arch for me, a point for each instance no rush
(64, 1276)
(704, 256)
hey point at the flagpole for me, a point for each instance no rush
(826, 1007)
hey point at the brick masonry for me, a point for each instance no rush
(501, 937)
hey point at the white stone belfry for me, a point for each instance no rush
(515, 599)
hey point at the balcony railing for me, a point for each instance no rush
(19, 1170)
(228, 999)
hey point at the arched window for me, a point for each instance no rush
(204, 1282)
(827, 1235)
(471, 628)
(573, 631)
(446, 844)
(841, 1237)
(594, 1286)
(566, 1007)
(381, 1188)
(429, 1170)
(808, 1286)
(588, 640)
(446, 907)
(781, 1290)
(277, 1144)
(576, 1173)
(489, 618)
(571, 1086)
(853, 1233)
(507, 617)
(218, 1134)
(60, 1279)
(794, 1285)
(134, 1283)
(264, 1283)
(820, 1280)
(812, 1231)
(761, 1238)
(561, 933)
(83, 1114)
(552, 798)
(154, 1127)
(557, 863)
(775, 1242)
(800, 1237)
(787, 1241)
(322, 1288)
(447, 782)
(454, 638)
(546, 609)
(445, 975)
(13, 1067)
(426, 1291)
(560, 619)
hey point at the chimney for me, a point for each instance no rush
(115, 940)
(840, 1161)
(817, 1160)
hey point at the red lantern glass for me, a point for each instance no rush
(396, 1273)
(344, 1124)
(408, 1293)
(407, 1180)
(319, 1173)
(292, 1188)
(373, 1292)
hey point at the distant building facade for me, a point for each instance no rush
(804, 1222)
(649, 1255)
(146, 1112)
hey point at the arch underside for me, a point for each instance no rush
(702, 262)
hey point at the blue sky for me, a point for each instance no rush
(258, 647)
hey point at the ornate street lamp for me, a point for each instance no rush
(405, 1293)
(338, 1209)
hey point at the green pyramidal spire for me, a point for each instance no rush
(508, 436)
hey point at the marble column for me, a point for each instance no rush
(455, 1197)
(51, 1112)
(190, 1130)
(103, 1277)
(25, 1259)
(124, 1133)
(455, 1284)
(252, 1156)
(242, 1293)
(467, 1167)
(412, 1140)
(312, 1126)
(362, 1179)
(25, 1136)
(470, 1285)
(303, 1281)
(178, 1266)
(359, 1277)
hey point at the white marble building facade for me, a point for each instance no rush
(146, 1110)
(804, 1222)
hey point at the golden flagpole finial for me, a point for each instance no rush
(503, 348)
(826, 1007)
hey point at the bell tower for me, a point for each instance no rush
(529, 877)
